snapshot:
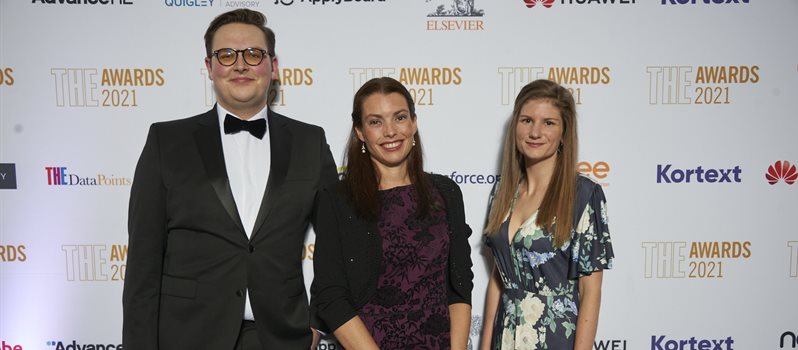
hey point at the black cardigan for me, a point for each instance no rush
(348, 255)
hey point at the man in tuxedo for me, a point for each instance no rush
(219, 207)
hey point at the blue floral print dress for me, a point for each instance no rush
(539, 302)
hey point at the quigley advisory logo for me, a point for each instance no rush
(422, 81)
(95, 262)
(699, 85)
(703, 260)
(280, 90)
(212, 3)
(577, 79)
(62, 176)
(8, 176)
(104, 87)
(454, 15)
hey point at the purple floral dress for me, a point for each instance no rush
(410, 308)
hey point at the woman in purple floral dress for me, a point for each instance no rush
(392, 265)
(548, 232)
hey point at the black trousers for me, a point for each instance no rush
(248, 337)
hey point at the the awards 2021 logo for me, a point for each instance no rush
(6, 76)
(104, 87)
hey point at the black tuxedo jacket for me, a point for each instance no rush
(190, 262)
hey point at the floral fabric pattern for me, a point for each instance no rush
(539, 302)
(410, 309)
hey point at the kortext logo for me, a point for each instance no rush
(781, 170)
(95, 262)
(669, 174)
(693, 2)
(8, 176)
(662, 343)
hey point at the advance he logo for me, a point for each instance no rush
(781, 170)
(545, 3)
(458, 8)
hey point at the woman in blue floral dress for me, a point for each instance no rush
(545, 290)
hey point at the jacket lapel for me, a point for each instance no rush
(281, 139)
(209, 143)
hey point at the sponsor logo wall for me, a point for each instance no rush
(686, 112)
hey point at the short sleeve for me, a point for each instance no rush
(591, 246)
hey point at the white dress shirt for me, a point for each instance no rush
(247, 160)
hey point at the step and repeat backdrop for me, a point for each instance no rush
(687, 117)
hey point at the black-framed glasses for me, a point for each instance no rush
(253, 56)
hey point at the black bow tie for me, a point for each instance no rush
(233, 125)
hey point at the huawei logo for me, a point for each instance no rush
(781, 170)
(545, 3)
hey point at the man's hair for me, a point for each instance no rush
(245, 16)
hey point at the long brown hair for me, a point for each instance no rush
(558, 202)
(361, 178)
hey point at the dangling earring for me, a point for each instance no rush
(559, 149)
(363, 148)
(414, 142)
